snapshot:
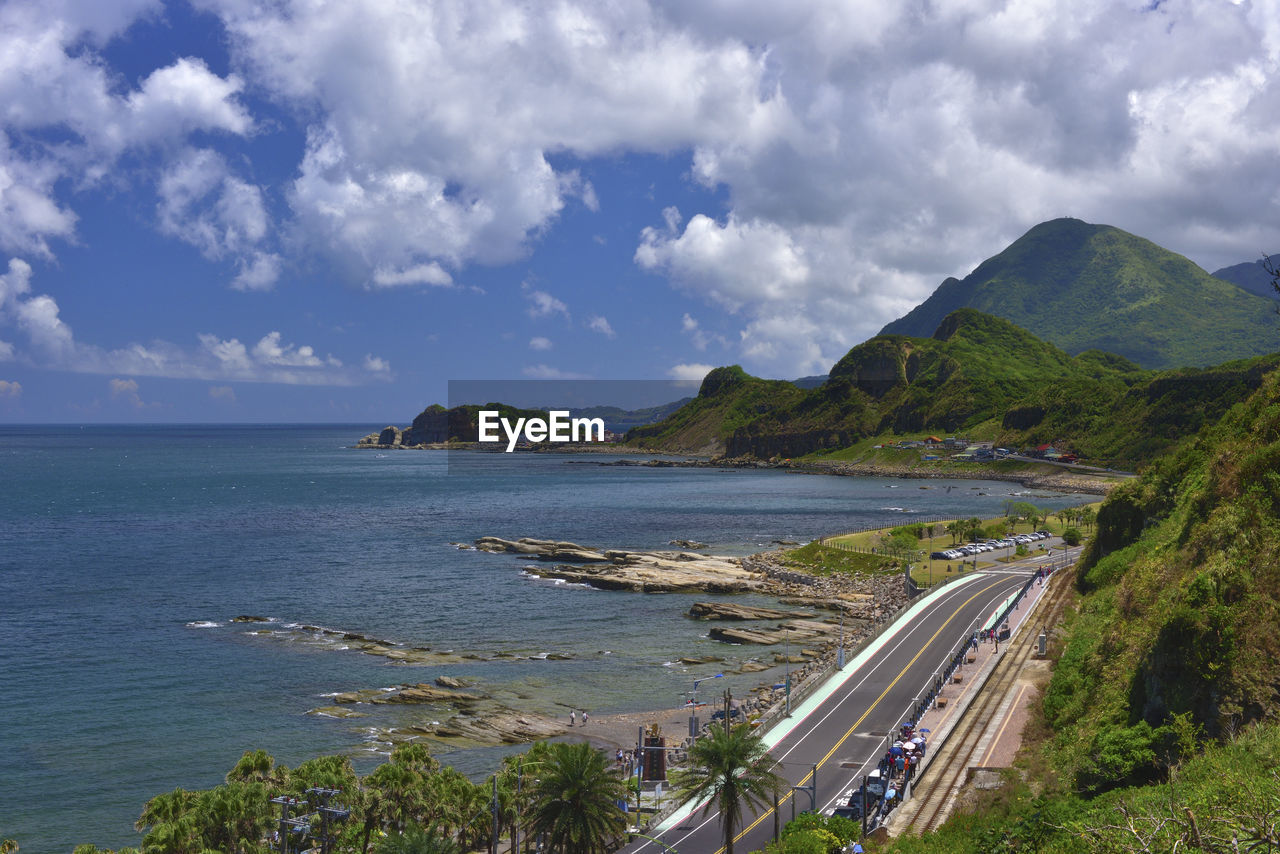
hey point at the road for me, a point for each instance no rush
(841, 731)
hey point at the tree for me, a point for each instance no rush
(575, 801)
(234, 817)
(9, 846)
(257, 766)
(1087, 515)
(734, 770)
(1071, 536)
(415, 840)
(1273, 270)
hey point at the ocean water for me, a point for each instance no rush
(126, 551)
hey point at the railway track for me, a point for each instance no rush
(943, 779)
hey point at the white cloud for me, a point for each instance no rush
(52, 345)
(10, 389)
(450, 161)
(184, 97)
(547, 372)
(430, 273)
(692, 372)
(596, 323)
(257, 273)
(126, 390)
(698, 336)
(6, 351)
(53, 78)
(543, 304)
(203, 204)
(540, 343)
(268, 351)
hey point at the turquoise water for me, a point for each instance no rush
(125, 552)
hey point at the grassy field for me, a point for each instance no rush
(928, 571)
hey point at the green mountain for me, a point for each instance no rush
(1251, 276)
(1082, 287)
(976, 373)
(728, 398)
(973, 368)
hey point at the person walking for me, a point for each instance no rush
(573, 718)
(584, 717)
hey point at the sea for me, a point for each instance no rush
(127, 552)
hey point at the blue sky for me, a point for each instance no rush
(224, 210)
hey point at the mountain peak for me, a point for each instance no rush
(1085, 286)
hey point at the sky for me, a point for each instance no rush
(325, 210)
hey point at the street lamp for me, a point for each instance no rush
(786, 655)
(693, 711)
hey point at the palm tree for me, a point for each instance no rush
(233, 817)
(257, 766)
(953, 528)
(415, 840)
(1087, 515)
(575, 801)
(734, 769)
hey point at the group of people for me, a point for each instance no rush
(573, 717)
(903, 756)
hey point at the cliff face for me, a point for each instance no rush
(972, 369)
(1178, 633)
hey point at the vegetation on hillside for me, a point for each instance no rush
(977, 375)
(1162, 718)
(1083, 286)
(728, 398)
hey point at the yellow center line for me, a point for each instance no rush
(870, 709)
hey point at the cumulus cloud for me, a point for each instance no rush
(127, 391)
(691, 372)
(203, 204)
(10, 389)
(419, 274)
(451, 161)
(543, 304)
(539, 343)
(376, 365)
(52, 78)
(547, 372)
(53, 345)
(597, 323)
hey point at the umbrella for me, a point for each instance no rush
(895, 750)
(925, 729)
(897, 743)
(917, 740)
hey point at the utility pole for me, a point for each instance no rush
(840, 651)
(493, 845)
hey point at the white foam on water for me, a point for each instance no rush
(204, 624)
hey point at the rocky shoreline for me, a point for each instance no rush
(1064, 481)
(803, 631)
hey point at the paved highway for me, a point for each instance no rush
(841, 729)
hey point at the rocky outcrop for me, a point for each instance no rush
(731, 611)
(389, 437)
(641, 572)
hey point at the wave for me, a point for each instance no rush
(204, 624)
